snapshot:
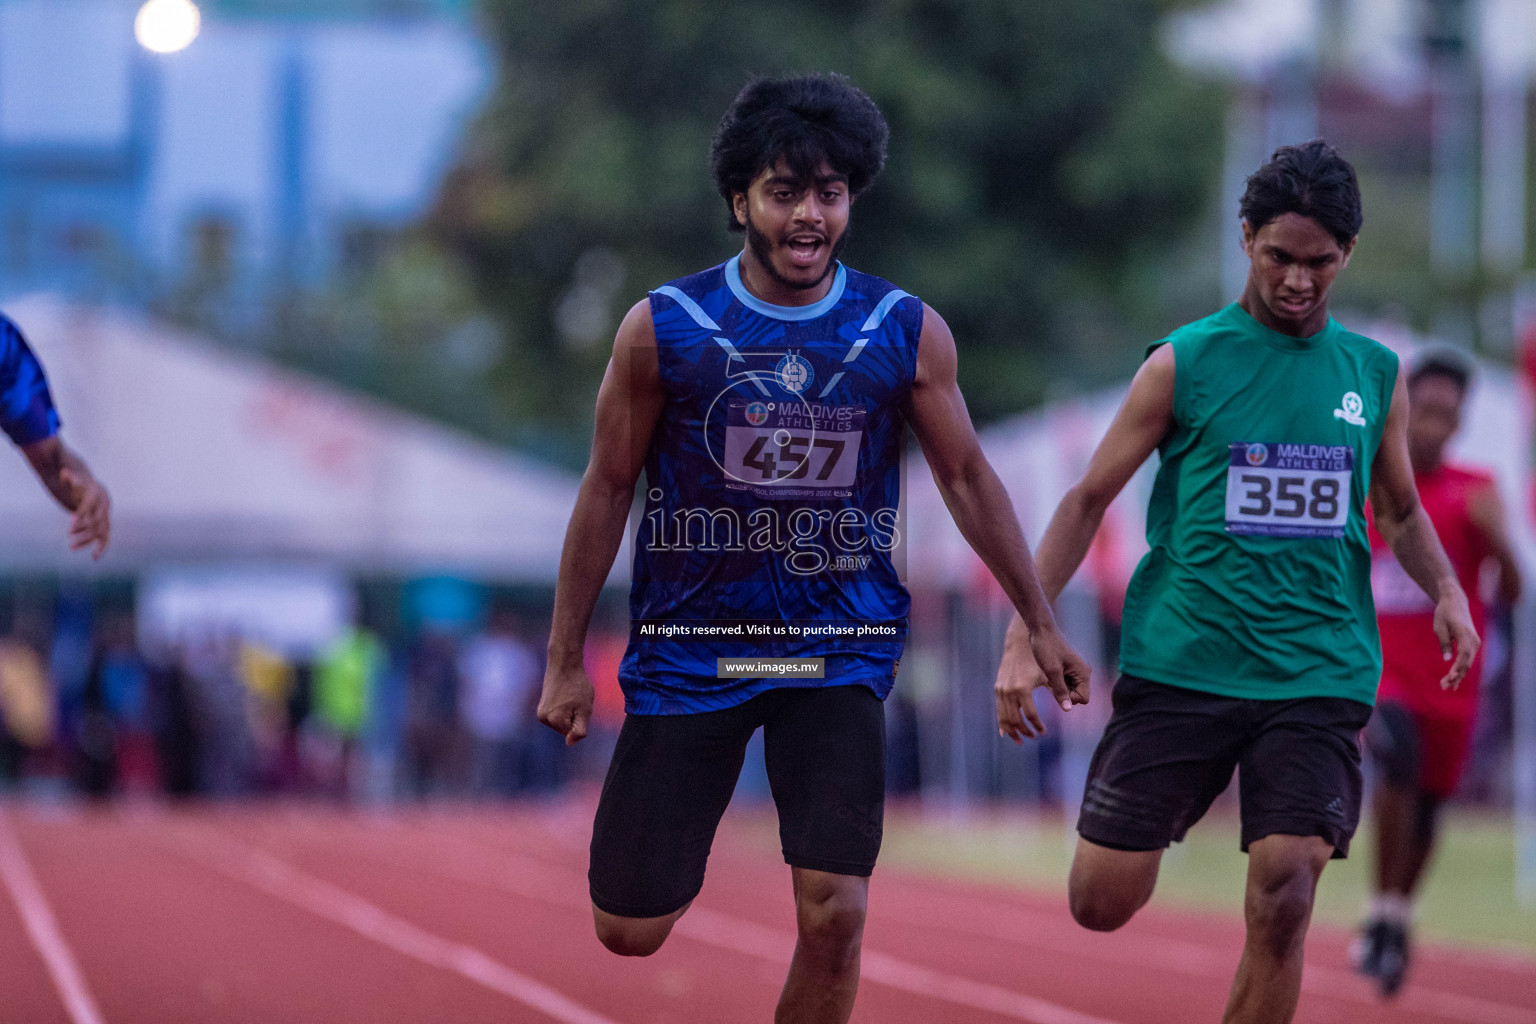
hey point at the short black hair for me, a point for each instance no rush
(1313, 180)
(1441, 361)
(806, 121)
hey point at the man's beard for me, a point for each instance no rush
(763, 250)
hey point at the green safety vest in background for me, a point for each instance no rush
(1258, 582)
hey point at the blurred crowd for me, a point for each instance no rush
(437, 714)
(440, 711)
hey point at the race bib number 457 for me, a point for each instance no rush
(1289, 490)
(793, 449)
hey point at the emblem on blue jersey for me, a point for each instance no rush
(757, 414)
(795, 374)
(1257, 453)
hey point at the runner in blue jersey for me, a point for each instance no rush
(767, 401)
(28, 417)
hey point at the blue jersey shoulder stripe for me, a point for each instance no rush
(880, 312)
(692, 308)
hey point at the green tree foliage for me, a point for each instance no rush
(1046, 163)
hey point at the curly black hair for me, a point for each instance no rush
(1312, 180)
(807, 121)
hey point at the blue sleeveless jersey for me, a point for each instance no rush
(26, 408)
(773, 480)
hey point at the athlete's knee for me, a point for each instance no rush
(1278, 915)
(632, 936)
(830, 912)
(1279, 902)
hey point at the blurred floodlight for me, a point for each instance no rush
(165, 26)
(1244, 37)
(1508, 38)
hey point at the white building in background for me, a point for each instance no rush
(216, 457)
(1469, 63)
(1380, 41)
(260, 157)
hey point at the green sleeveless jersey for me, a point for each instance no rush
(1258, 581)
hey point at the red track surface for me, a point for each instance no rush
(299, 914)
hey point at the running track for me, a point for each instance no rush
(299, 914)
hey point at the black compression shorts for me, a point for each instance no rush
(673, 775)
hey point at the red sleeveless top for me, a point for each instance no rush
(1411, 662)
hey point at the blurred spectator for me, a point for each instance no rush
(499, 674)
(70, 653)
(345, 680)
(176, 735)
(119, 686)
(903, 773)
(384, 736)
(269, 684)
(604, 652)
(219, 715)
(432, 716)
(26, 707)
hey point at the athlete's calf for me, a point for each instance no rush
(824, 975)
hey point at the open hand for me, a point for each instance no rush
(91, 522)
(1453, 627)
(1045, 659)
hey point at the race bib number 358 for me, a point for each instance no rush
(1289, 490)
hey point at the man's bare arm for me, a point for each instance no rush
(985, 516)
(1138, 428)
(1141, 424)
(1487, 514)
(70, 481)
(1408, 531)
(629, 402)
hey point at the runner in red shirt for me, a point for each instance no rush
(1420, 733)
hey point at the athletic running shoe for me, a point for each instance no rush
(1392, 965)
(1365, 951)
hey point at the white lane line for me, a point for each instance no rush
(1020, 926)
(1040, 931)
(752, 939)
(1027, 928)
(530, 877)
(919, 980)
(739, 935)
(43, 929)
(278, 878)
(1337, 984)
(1500, 959)
(521, 875)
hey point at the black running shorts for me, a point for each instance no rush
(672, 776)
(1168, 752)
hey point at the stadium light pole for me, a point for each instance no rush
(167, 26)
(1453, 184)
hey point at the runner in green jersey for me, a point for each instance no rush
(1249, 632)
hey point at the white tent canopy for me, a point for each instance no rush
(214, 456)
